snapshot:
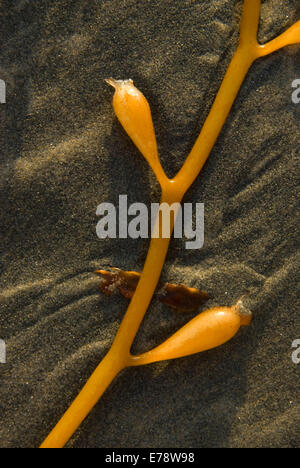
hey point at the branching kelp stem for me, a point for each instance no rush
(119, 356)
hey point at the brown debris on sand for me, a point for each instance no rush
(177, 296)
(182, 298)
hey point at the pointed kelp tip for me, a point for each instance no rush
(116, 83)
(100, 272)
(244, 313)
(111, 82)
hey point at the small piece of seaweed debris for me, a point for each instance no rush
(182, 298)
(177, 296)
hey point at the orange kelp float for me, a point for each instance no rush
(208, 330)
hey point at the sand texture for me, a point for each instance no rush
(63, 153)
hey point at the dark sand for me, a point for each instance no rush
(63, 153)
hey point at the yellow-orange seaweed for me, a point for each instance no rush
(119, 356)
(207, 330)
